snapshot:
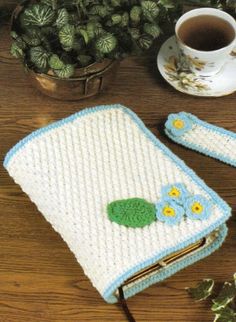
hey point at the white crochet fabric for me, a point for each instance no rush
(73, 168)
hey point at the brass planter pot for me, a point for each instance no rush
(87, 81)
(90, 81)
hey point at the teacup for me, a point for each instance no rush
(206, 37)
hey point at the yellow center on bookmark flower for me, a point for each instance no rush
(178, 124)
(174, 192)
(197, 208)
(168, 211)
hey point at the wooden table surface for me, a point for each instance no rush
(40, 280)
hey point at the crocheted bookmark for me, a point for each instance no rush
(188, 130)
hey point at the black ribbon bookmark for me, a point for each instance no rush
(124, 305)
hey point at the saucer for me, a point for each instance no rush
(173, 68)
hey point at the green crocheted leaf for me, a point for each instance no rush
(226, 296)
(67, 36)
(134, 212)
(55, 62)
(106, 43)
(38, 15)
(203, 290)
(65, 72)
(39, 56)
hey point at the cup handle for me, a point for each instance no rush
(233, 53)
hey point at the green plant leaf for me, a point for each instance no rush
(134, 212)
(116, 3)
(152, 29)
(150, 10)
(39, 57)
(225, 315)
(135, 33)
(100, 10)
(106, 43)
(226, 296)
(124, 19)
(135, 14)
(116, 19)
(202, 291)
(167, 4)
(46, 2)
(94, 29)
(14, 35)
(55, 62)
(38, 15)
(145, 42)
(84, 34)
(234, 276)
(62, 18)
(17, 48)
(84, 60)
(66, 72)
(67, 36)
(32, 37)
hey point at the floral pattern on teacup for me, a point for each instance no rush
(177, 70)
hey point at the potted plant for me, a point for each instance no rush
(71, 48)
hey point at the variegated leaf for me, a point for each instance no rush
(39, 57)
(226, 296)
(203, 290)
(106, 43)
(38, 15)
(66, 72)
(67, 35)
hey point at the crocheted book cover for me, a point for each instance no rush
(119, 198)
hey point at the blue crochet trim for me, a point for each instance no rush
(197, 147)
(108, 293)
(167, 271)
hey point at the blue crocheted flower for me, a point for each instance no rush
(198, 207)
(178, 124)
(169, 211)
(177, 192)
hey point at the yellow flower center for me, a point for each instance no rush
(197, 208)
(178, 124)
(174, 192)
(168, 211)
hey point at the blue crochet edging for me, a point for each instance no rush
(221, 204)
(197, 147)
(167, 271)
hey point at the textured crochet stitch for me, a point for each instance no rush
(74, 168)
